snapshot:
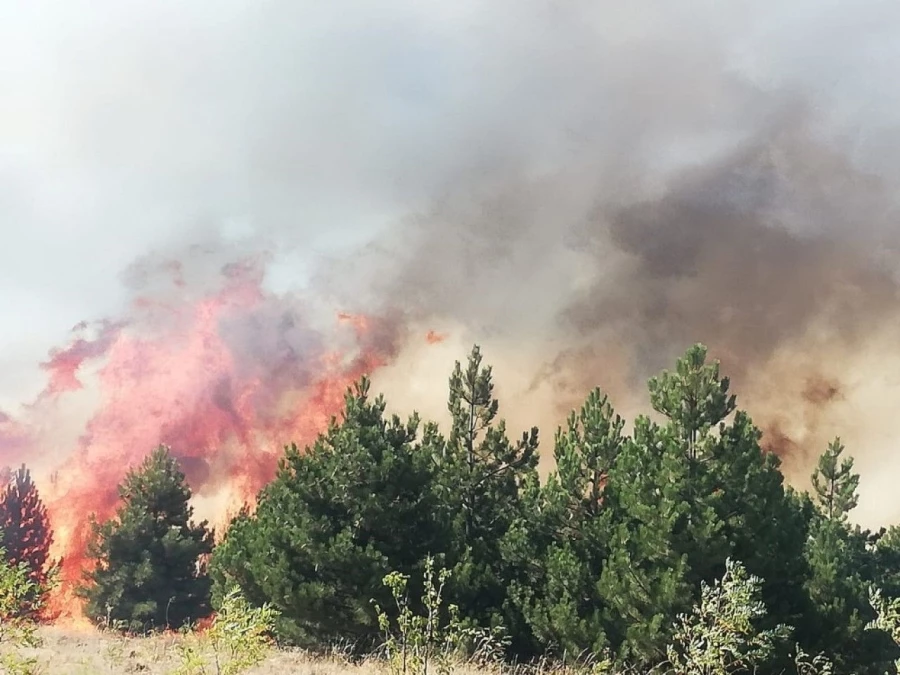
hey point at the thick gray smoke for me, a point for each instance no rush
(584, 188)
(778, 255)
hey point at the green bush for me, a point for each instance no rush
(722, 635)
(238, 640)
(433, 641)
(21, 599)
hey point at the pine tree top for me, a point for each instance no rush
(156, 488)
(835, 484)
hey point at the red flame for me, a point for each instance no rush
(433, 337)
(226, 378)
(64, 364)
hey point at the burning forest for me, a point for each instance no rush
(585, 192)
(226, 375)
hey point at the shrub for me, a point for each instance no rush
(17, 628)
(239, 639)
(722, 635)
(433, 641)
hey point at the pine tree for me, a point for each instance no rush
(481, 474)
(339, 516)
(561, 535)
(835, 483)
(842, 570)
(744, 487)
(478, 452)
(687, 495)
(843, 565)
(885, 546)
(149, 559)
(694, 398)
(645, 581)
(26, 531)
(585, 454)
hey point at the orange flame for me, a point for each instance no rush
(226, 379)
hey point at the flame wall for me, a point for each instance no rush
(226, 375)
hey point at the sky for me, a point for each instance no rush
(314, 130)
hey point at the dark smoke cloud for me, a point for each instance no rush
(719, 258)
(775, 253)
(779, 251)
(743, 252)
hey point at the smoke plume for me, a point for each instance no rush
(244, 206)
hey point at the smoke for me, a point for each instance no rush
(583, 188)
(694, 193)
(760, 254)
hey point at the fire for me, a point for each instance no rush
(74, 623)
(226, 377)
(432, 337)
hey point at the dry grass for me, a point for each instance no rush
(67, 652)
(75, 653)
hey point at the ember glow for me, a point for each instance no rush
(226, 377)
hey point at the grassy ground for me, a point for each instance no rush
(65, 651)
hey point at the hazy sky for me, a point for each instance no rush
(133, 126)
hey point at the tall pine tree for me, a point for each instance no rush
(480, 477)
(149, 559)
(687, 495)
(26, 531)
(561, 535)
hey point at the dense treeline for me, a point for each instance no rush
(602, 556)
(641, 548)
